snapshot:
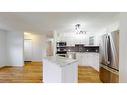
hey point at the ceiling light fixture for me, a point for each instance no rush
(79, 30)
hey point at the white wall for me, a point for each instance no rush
(14, 48)
(38, 46)
(2, 48)
(11, 48)
(123, 48)
(54, 42)
(110, 28)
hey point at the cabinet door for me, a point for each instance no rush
(85, 59)
(90, 59)
(95, 61)
(68, 43)
(79, 58)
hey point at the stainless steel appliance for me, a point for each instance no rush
(109, 57)
(61, 48)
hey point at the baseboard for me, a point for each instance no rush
(37, 61)
(2, 66)
(27, 61)
(11, 66)
(15, 65)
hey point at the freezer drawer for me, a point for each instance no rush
(114, 78)
(104, 75)
(108, 76)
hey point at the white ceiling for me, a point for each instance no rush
(51, 21)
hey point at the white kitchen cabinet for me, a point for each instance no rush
(69, 43)
(58, 69)
(73, 39)
(88, 59)
(79, 57)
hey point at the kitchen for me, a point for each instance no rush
(90, 51)
(73, 43)
(58, 47)
(91, 54)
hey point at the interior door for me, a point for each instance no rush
(27, 50)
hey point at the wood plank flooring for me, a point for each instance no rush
(87, 74)
(32, 73)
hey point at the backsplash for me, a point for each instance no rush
(71, 48)
(63, 49)
(82, 48)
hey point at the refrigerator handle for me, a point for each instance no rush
(106, 49)
(107, 53)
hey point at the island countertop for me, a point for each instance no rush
(61, 61)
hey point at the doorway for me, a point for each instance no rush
(28, 50)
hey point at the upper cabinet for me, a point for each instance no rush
(77, 39)
(91, 40)
(72, 39)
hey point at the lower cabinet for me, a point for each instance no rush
(79, 57)
(88, 59)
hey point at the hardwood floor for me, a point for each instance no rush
(32, 73)
(87, 74)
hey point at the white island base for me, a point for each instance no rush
(60, 70)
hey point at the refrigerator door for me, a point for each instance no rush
(103, 50)
(109, 57)
(113, 52)
(108, 51)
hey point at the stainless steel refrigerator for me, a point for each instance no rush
(109, 57)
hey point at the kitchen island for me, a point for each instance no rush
(58, 69)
